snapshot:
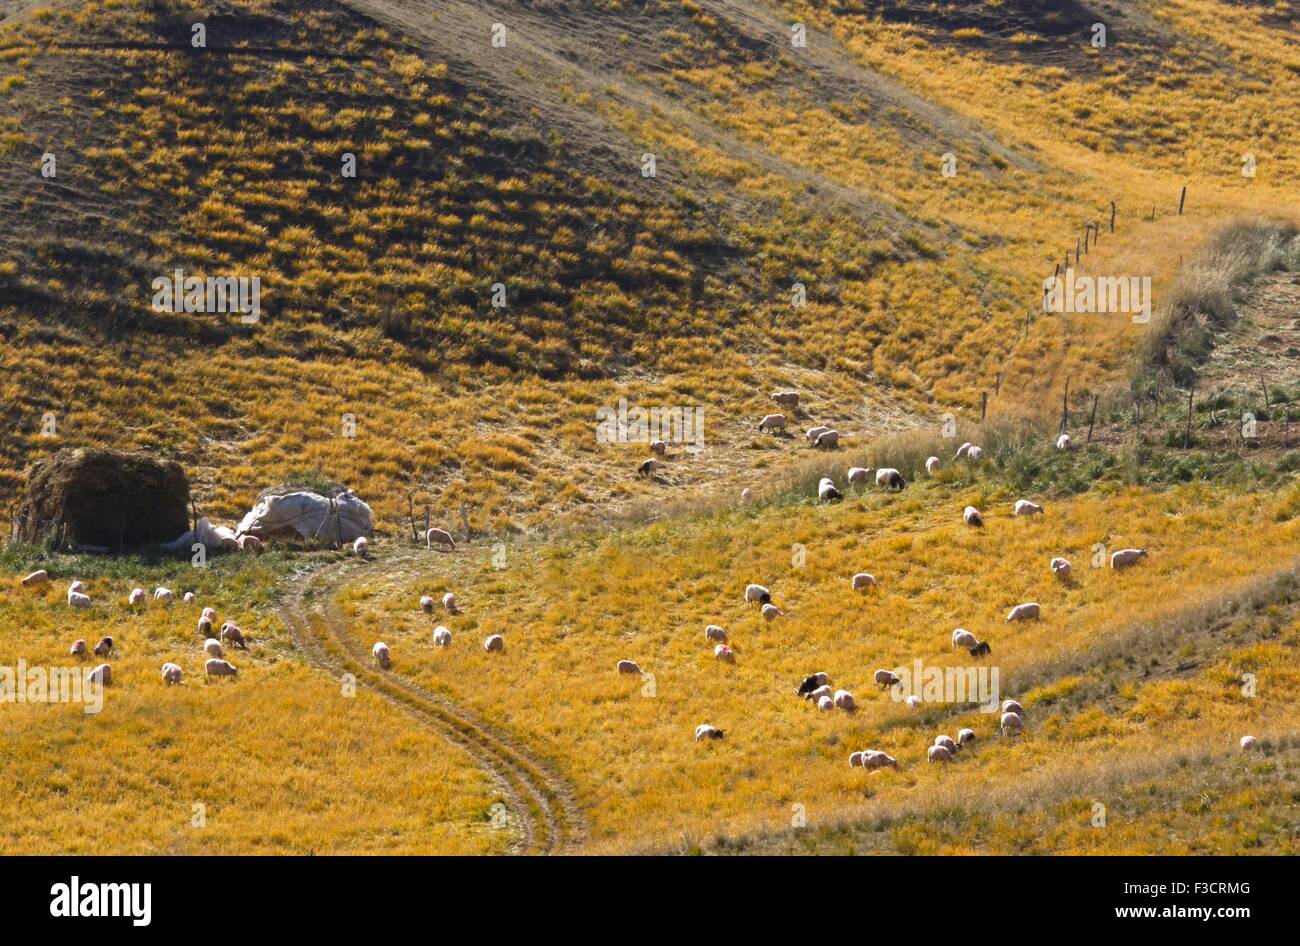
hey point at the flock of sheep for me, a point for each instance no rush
(214, 666)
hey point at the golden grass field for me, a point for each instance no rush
(820, 166)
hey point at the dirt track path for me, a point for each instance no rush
(543, 808)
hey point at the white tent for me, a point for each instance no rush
(305, 514)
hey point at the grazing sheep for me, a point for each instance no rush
(1061, 568)
(931, 464)
(875, 759)
(1025, 508)
(964, 736)
(103, 675)
(77, 600)
(859, 475)
(814, 432)
(913, 703)
(844, 700)
(826, 491)
(939, 754)
(962, 451)
(250, 544)
(439, 537)
(171, 673)
(233, 636)
(1013, 706)
(426, 604)
(723, 652)
(495, 642)
(715, 633)
(441, 637)
(210, 614)
(889, 478)
(975, 453)
(705, 731)
(1248, 743)
(361, 546)
(212, 647)
(827, 440)
(1011, 723)
(1022, 612)
(628, 666)
(863, 580)
(886, 679)
(646, 468)
(972, 516)
(77, 587)
(163, 594)
(39, 577)
(1064, 442)
(812, 682)
(105, 647)
(214, 667)
(757, 593)
(746, 495)
(205, 626)
(135, 597)
(947, 743)
(188, 597)
(772, 422)
(963, 638)
(982, 649)
(823, 690)
(381, 654)
(78, 648)
(826, 704)
(771, 612)
(449, 602)
(658, 447)
(1126, 557)
(787, 399)
(855, 760)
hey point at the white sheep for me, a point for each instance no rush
(188, 597)
(1022, 612)
(932, 464)
(1064, 442)
(233, 635)
(823, 690)
(381, 654)
(863, 580)
(787, 399)
(963, 638)
(939, 754)
(78, 648)
(913, 703)
(827, 439)
(658, 447)
(1025, 508)
(844, 700)
(441, 637)
(746, 496)
(757, 594)
(715, 633)
(723, 652)
(889, 478)
(214, 667)
(772, 422)
(975, 453)
(946, 742)
(628, 666)
(163, 594)
(39, 577)
(1061, 568)
(105, 647)
(212, 647)
(361, 546)
(77, 600)
(964, 736)
(171, 673)
(859, 475)
(76, 586)
(449, 602)
(972, 516)
(494, 643)
(647, 467)
(1126, 557)
(875, 759)
(962, 451)
(1011, 723)
(1013, 706)
(210, 614)
(705, 731)
(1248, 743)
(426, 604)
(103, 675)
(814, 432)
(826, 703)
(439, 537)
(771, 612)
(135, 597)
(826, 491)
(885, 679)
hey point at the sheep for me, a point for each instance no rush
(715, 633)
(250, 544)
(723, 652)
(812, 682)
(772, 422)
(859, 475)
(947, 743)
(210, 614)
(757, 593)
(787, 399)
(212, 647)
(449, 602)
(205, 626)
(863, 580)
(1126, 557)
(494, 643)
(77, 600)
(844, 700)
(875, 759)
(889, 478)
(439, 537)
(964, 736)
(746, 496)
(962, 451)
(1013, 706)
(975, 453)
(426, 604)
(938, 754)
(361, 546)
(1025, 508)
(1248, 743)
(886, 679)
(628, 666)
(104, 648)
(171, 673)
(1064, 442)
(39, 577)
(1061, 568)
(963, 638)
(814, 432)
(816, 695)
(855, 760)
(982, 649)
(76, 587)
(646, 468)
(826, 704)
(78, 648)
(1022, 612)
(441, 637)
(827, 440)
(913, 703)
(233, 635)
(931, 464)
(381, 654)
(826, 491)
(1011, 723)
(771, 612)
(213, 667)
(972, 517)
(103, 675)
(705, 731)
(658, 447)
(163, 594)
(188, 597)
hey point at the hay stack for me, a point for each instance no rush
(109, 498)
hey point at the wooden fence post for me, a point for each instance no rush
(1065, 407)
(984, 405)
(1092, 417)
(1112, 216)
(997, 385)
(1264, 384)
(1182, 198)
